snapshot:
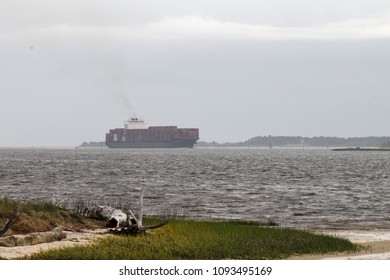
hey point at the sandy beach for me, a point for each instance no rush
(72, 239)
(376, 241)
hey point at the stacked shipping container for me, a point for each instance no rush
(152, 137)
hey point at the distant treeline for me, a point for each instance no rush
(298, 141)
(93, 145)
(285, 141)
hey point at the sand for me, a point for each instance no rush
(376, 241)
(72, 239)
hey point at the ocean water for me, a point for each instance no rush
(300, 188)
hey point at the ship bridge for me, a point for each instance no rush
(135, 123)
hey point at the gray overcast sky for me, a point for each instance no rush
(71, 70)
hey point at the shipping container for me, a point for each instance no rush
(136, 135)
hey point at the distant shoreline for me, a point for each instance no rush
(358, 149)
(370, 142)
(299, 141)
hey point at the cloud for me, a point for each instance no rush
(198, 27)
(207, 28)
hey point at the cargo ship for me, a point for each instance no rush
(136, 135)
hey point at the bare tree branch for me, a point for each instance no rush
(9, 222)
(132, 215)
(134, 229)
(155, 226)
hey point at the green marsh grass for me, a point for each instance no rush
(191, 240)
(179, 239)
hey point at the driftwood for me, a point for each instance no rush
(122, 223)
(56, 234)
(114, 217)
(9, 222)
(134, 229)
(134, 225)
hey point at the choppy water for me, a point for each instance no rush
(297, 188)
